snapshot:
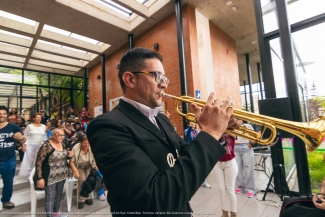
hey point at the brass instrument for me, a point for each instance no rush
(311, 133)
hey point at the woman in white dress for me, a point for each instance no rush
(35, 134)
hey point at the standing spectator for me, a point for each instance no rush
(49, 129)
(22, 126)
(20, 122)
(35, 134)
(190, 133)
(81, 163)
(245, 161)
(12, 117)
(8, 134)
(22, 118)
(53, 122)
(71, 115)
(52, 170)
(226, 172)
(84, 116)
(44, 117)
(61, 125)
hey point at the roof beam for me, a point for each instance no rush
(16, 27)
(46, 69)
(12, 58)
(62, 51)
(28, 30)
(53, 65)
(11, 39)
(135, 7)
(12, 64)
(12, 50)
(58, 59)
(38, 30)
(97, 12)
(70, 42)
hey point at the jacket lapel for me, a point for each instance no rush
(171, 140)
(135, 115)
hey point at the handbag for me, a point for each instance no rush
(300, 207)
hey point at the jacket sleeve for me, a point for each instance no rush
(129, 171)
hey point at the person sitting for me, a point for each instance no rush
(52, 170)
(81, 163)
(319, 200)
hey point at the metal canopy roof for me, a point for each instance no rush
(53, 36)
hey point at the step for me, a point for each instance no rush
(20, 182)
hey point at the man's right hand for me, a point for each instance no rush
(214, 118)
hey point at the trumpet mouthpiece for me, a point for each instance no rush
(162, 93)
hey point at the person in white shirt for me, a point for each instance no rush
(35, 134)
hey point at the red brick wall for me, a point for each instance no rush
(165, 34)
(225, 65)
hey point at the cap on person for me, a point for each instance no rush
(42, 111)
(76, 118)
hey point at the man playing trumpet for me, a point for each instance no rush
(147, 166)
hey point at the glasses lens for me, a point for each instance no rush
(160, 78)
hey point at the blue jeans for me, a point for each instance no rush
(7, 171)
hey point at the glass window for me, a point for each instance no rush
(278, 70)
(66, 81)
(77, 83)
(10, 75)
(309, 45)
(60, 81)
(65, 103)
(78, 100)
(304, 9)
(54, 101)
(55, 80)
(31, 77)
(269, 14)
(289, 163)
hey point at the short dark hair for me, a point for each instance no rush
(2, 107)
(35, 114)
(134, 61)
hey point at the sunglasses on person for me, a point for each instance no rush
(159, 78)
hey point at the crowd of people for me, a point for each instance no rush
(146, 166)
(46, 144)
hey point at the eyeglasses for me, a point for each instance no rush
(59, 135)
(159, 78)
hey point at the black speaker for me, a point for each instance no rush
(277, 108)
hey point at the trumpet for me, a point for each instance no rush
(311, 133)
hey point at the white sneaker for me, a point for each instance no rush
(206, 185)
(102, 197)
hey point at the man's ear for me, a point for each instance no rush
(129, 79)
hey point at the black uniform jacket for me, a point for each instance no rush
(133, 154)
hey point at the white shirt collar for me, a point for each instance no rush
(147, 111)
